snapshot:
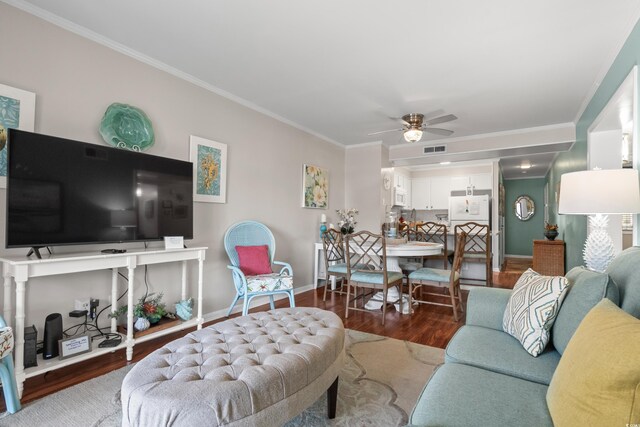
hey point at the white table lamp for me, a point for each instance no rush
(599, 193)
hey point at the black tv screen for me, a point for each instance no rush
(63, 192)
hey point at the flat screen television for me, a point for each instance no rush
(64, 192)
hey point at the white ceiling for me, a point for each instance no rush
(343, 69)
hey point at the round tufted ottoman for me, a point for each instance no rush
(260, 370)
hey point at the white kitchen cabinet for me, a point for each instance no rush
(402, 181)
(479, 181)
(459, 183)
(440, 191)
(420, 193)
(430, 192)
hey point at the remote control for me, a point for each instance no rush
(114, 251)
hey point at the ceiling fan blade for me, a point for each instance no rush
(438, 131)
(441, 119)
(384, 131)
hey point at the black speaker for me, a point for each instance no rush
(52, 334)
(30, 338)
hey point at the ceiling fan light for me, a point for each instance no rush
(412, 135)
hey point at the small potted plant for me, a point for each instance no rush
(550, 231)
(149, 310)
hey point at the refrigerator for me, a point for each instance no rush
(469, 208)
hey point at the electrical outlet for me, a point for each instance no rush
(82, 304)
(93, 306)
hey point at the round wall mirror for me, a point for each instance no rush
(524, 208)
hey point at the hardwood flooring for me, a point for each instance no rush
(429, 325)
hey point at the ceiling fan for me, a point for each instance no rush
(414, 125)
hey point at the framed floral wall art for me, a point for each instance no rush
(17, 111)
(315, 187)
(209, 170)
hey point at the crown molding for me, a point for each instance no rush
(364, 144)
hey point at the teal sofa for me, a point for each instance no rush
(488, 379)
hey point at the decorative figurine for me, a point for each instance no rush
(184, 309)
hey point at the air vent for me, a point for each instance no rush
(435, 149)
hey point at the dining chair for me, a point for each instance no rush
(334, 260)
(449, 279)
(367, 269)
(437, 233)
(409, 265)
(251, 248)
(477, 248)
(7, 375)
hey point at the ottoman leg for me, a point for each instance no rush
(332, 399)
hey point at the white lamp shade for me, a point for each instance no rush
(412, 135)
(604, 191)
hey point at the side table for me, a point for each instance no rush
(548, 257)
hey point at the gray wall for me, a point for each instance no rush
(76, 79)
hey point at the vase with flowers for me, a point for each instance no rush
(550, 231)
(150, 307)
(347, 221)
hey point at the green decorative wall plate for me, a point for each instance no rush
(125, 126)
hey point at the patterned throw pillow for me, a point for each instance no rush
(532, 309)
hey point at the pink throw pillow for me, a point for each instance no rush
(254, 260)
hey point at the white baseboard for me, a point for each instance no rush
(219, 314)
(519, 256)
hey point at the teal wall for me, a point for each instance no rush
(573, 228)
(519, 235)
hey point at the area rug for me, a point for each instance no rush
(379, 385)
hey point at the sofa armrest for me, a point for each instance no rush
(486, 306)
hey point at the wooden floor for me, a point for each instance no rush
(430, 325)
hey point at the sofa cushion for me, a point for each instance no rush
(532, 308)
(485, 307)
(586, 289)
(376, 278)
(625, 272)
(269, 282)
(461, 395)
(597, 382)
(499, 352)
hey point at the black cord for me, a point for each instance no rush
(106, 307)
(146, 284)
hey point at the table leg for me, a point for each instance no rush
(392, 264)
(7, 309)
(130, 340)
(184, 280)
(200, 283)
(316, 259)
(19, 335)
(114, 299)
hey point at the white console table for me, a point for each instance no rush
(20, 269)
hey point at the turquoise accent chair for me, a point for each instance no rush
(252, 233)
(7, 374)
